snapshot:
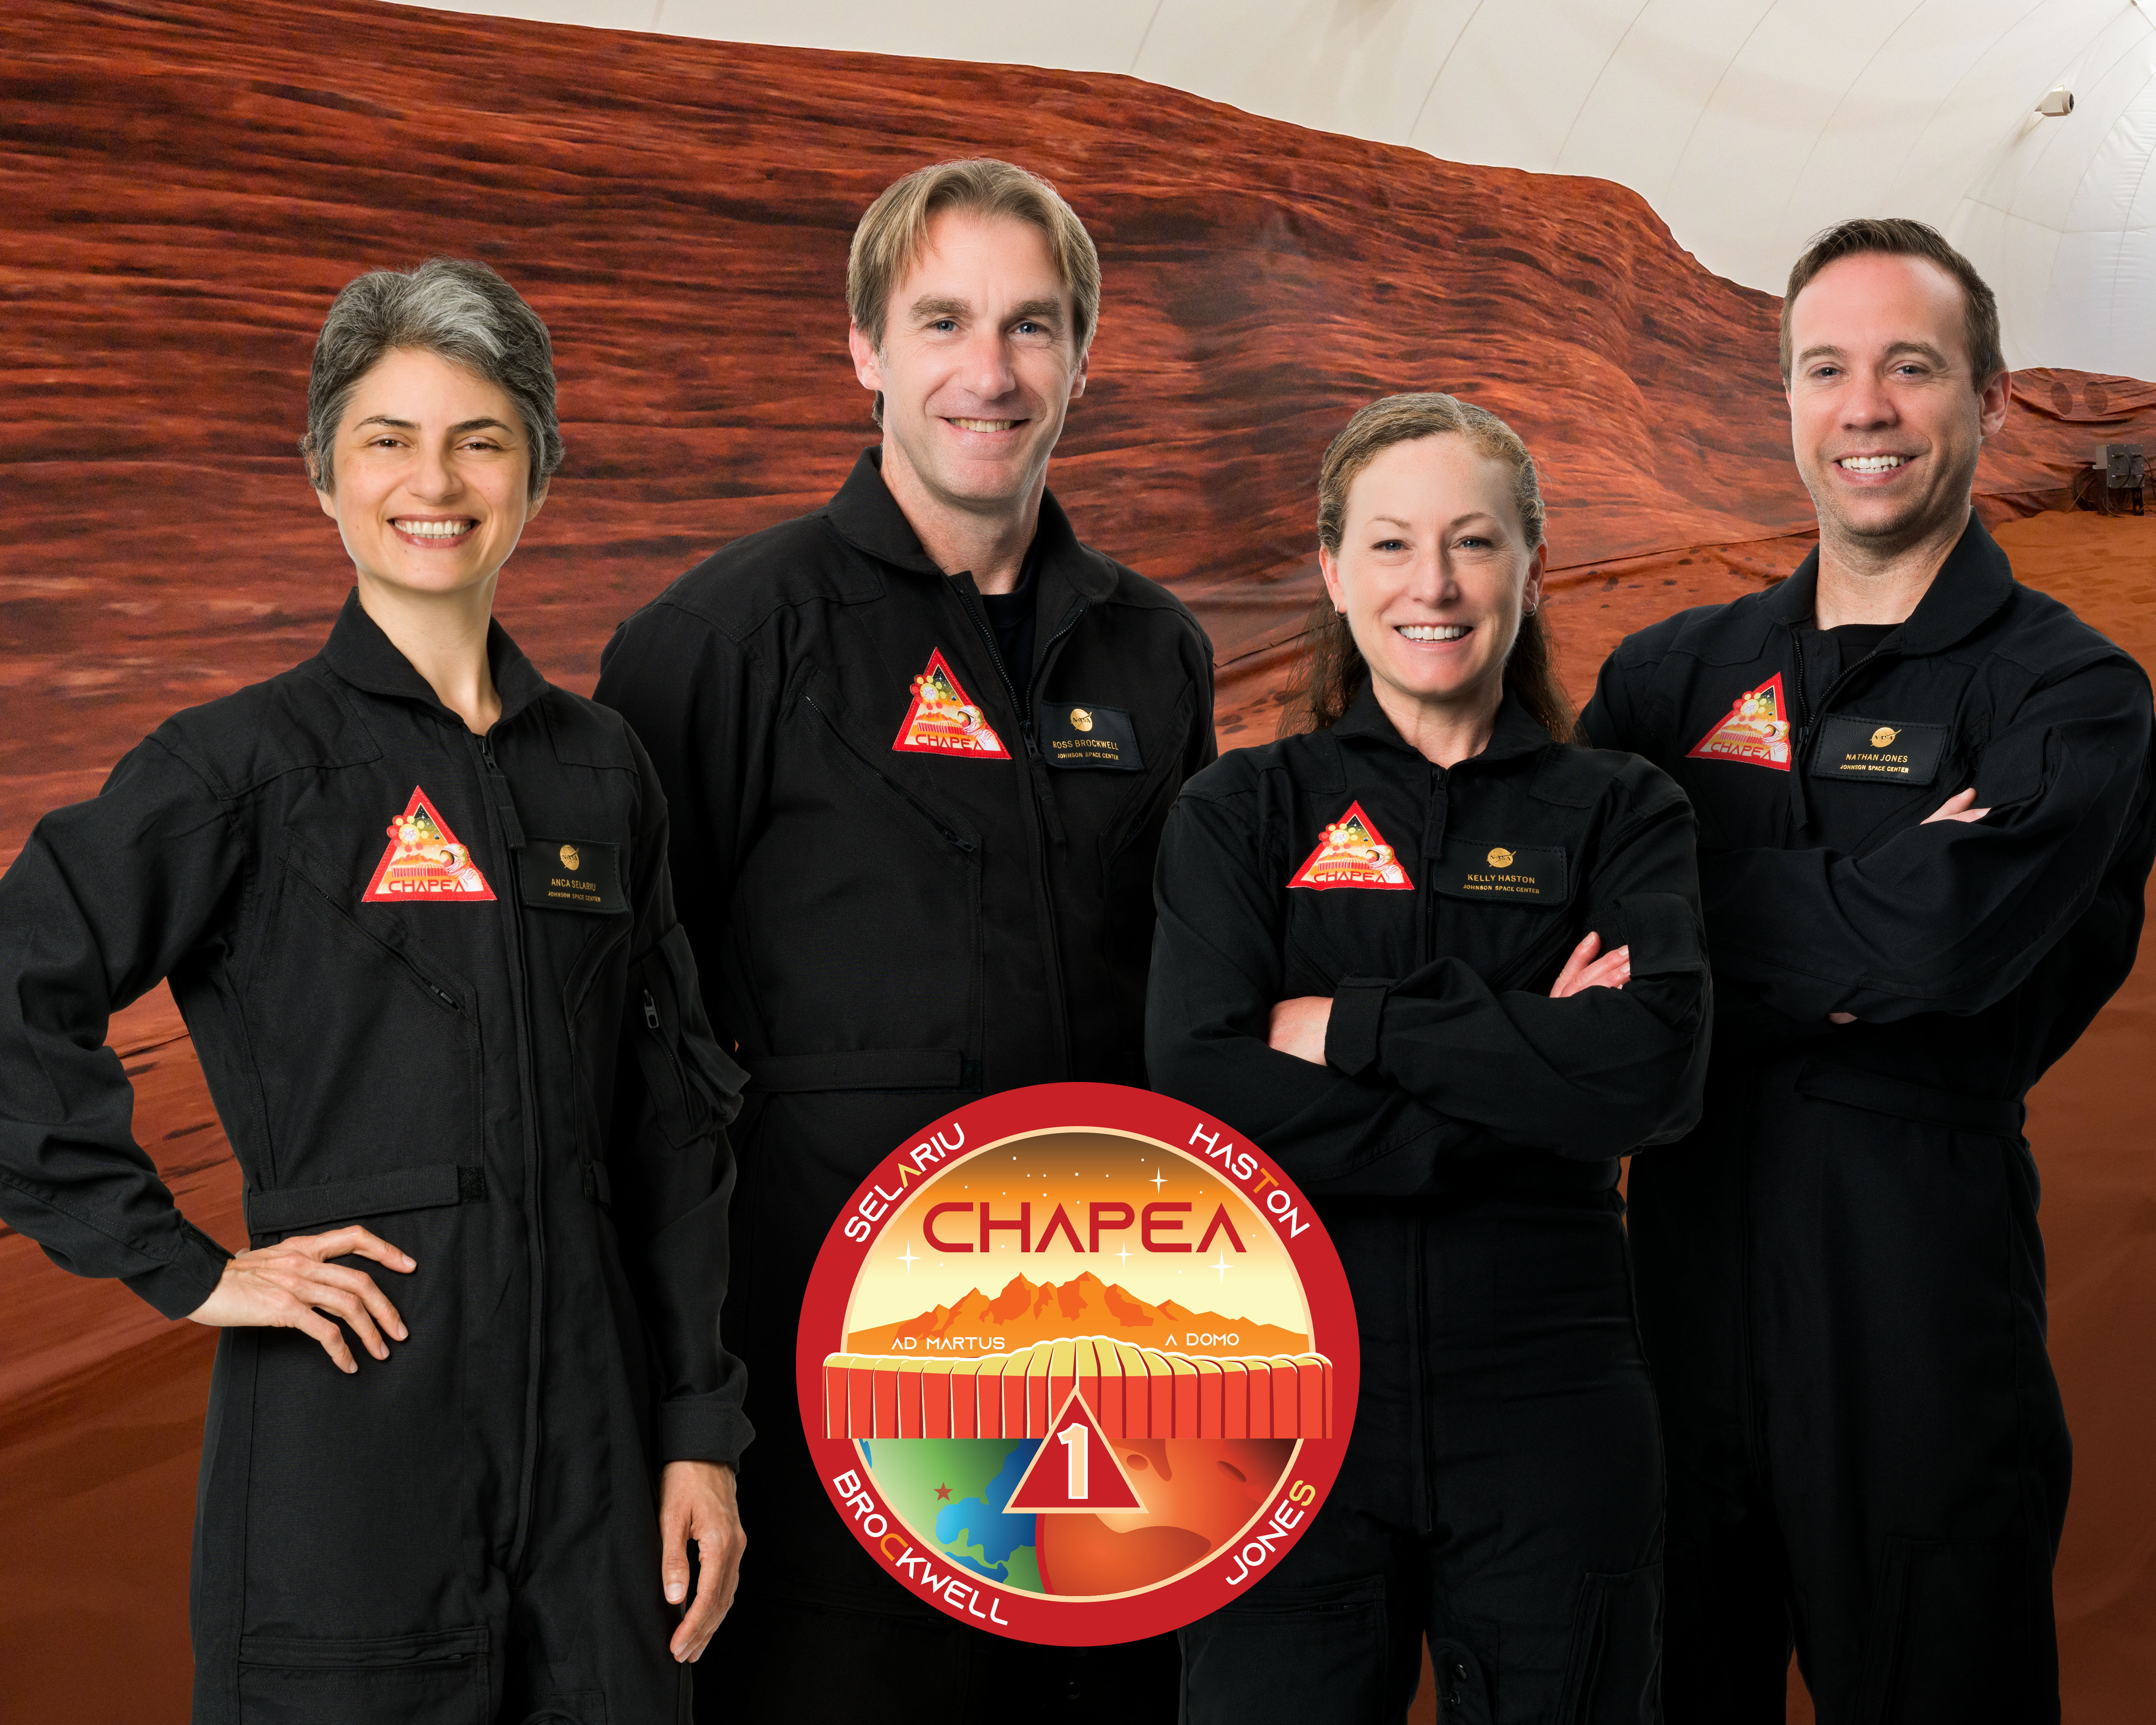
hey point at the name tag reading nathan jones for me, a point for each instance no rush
(1881, 750)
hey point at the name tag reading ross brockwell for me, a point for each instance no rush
(1075, 733)
(1475, 868)
(1077, 1365)
(1882, 750)
(571, 874)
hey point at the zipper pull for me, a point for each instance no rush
(651, 1011)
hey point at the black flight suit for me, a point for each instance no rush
(522, 1096)
(887, 933)
(1502, 1488)
(1841, 1282)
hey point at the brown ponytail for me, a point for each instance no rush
(1332, 672)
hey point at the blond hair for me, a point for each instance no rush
(1333, 671)
(892, 233)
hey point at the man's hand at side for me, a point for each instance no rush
(696, 1501)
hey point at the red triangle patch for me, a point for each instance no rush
(1755, 730)
(1352, 853)
(1074, 1470)
(423, 861)
(943, 722)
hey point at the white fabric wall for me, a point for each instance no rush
(1748, 125)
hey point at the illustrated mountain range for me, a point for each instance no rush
(1028, 1312)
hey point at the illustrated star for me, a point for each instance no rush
(942, 1493)
(1159, 1179)
(1223, 1265)
(1125, 1255)
(907, 1259)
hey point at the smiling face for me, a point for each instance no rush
(428, 477)
(978, 364)
(1434, 572)
(1885, 416)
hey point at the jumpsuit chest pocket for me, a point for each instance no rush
(365, 1028)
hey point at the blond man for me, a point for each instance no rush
(893, 913)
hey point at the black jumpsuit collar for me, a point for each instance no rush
(1517, 732)
(1972, 584)
(868, 518)
(359, 652)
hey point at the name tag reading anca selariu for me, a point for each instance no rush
(1076, 733)
(1883, 751)
(571, 874)
(1476, 868)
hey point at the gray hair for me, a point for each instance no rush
(459, 311)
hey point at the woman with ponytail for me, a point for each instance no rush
(1446, 967)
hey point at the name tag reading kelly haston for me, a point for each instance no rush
(1480, 868)
(1884, 751)
(571, 874)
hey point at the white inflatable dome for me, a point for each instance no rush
(1748, 125)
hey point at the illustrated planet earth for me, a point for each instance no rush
(1198, 1493)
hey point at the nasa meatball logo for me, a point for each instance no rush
(1077, 1365)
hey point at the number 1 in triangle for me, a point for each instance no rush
(1077, 1469)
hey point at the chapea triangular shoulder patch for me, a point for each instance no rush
(1352, 853)
(1755, 730)
(424, 862)
(942, 721)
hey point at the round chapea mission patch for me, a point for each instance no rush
(1077, 1365)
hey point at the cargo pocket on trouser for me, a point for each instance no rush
(1961, 1635)
(1295, 1655)
(1613, 1675)
(439, 1678)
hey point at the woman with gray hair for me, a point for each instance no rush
(413, 901)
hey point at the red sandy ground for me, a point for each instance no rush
(186, 184)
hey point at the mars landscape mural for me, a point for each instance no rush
(187, 185)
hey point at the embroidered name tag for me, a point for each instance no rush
(1475, 868)
(1076, 733)
(571, 874)
(1881, 750)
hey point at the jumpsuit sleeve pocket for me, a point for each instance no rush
(439, 1677)
(1613, 1673)
(1662, 930)
(694, 1088)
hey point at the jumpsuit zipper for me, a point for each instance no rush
(1434, 819)
(1037, 839)
(501, 807)
(1801, 732)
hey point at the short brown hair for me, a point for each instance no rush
(1333, 671)
(1900, 237)
(891, 234)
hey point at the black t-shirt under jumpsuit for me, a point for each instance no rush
(437, 989)
(1502, 1488)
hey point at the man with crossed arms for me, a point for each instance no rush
(1923, 793)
